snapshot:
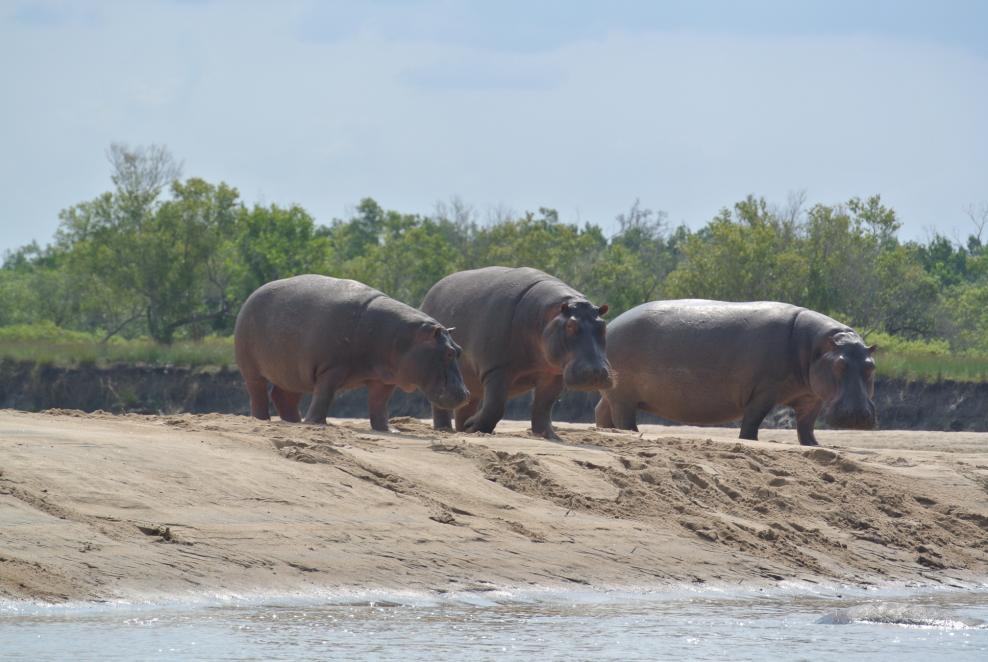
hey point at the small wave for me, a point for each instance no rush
(892, 613)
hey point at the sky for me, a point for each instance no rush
(584, 107)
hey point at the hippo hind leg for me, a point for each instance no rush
(754, 414)
(492, 406)
(257, 390)
(322, 396)
(286, 403)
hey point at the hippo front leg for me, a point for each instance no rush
(546, 393)
(441, 418)
(616, 411)
(463, 414)
(602, 414)
(378, 394)
(322, 396)
(492, 407)
(807, 410)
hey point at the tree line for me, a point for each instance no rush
(169, 258)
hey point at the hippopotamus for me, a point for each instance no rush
(520, 329)
(319, 334)
(704, 362)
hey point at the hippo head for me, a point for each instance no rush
(430, 363)
(843, 376)
(573, 341)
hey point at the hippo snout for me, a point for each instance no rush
(588, 376)
(859, 418)
(450, 398)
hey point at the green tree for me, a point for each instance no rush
(157, 260)
(634, 266)
(744, 255)
(275, 242)
(544, 242)
(411, 256)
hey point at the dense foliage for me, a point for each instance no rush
(169, 258)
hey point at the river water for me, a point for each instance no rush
(703, 624)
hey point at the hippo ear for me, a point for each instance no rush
(872, 349)
(428, 332)
(564, 309)
(603, 310)
(437, 334)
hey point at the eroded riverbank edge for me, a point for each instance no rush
(29, 386)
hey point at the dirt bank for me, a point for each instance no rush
(29, 386)
(99, 506)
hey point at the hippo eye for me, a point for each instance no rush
(572, 327)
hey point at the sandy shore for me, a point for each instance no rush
(100, 507)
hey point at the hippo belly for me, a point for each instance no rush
(688, 395)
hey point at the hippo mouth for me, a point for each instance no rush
(448, 398)
(584, 377)
(853, 419)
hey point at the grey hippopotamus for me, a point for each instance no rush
(315, 334)
(520, 329)
(704, 362)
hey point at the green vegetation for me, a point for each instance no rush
(47, 344)
(155, 269)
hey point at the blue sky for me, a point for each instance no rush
(581, 106)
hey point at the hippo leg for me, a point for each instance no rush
(602, 414)
(441, 418)
(257, 389)
(286, 403)
(492, 407)
(617, 411)
(754, 414)
(378, 395)
(322, 396)
(546, 393)
(807, 409)
(466, 411)
(624, 413)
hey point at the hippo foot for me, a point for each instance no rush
(809, 442)
(471, 425)
(549, 434)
